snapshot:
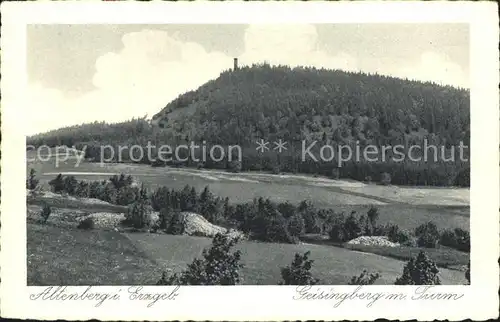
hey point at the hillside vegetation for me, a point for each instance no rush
(303, 105)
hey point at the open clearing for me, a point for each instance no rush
(73, 257)
(59, 256)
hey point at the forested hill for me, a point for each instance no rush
(307, 103)
(302, 104)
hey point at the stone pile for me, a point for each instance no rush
(373, 241)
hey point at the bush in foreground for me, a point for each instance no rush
(364, 278)
(419, 270)
(219, 266)
(299, 271)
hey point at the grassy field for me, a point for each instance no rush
(73, 257)
(59, 256)
(442, 256)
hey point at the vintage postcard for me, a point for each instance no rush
(240, 161)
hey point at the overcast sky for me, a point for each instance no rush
(82, 73)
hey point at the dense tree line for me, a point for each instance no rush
(299, 105)
(261, 219)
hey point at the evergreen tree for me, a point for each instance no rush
(419, 270)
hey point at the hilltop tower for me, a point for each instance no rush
(235, 64)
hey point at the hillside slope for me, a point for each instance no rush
(312, 104)
(302, 106)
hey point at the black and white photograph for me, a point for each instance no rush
(296, 154)
(169, 135)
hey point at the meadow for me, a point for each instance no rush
(73, 257)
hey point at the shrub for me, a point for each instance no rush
(352, 227)
(57, 184)
(428, 227)
(271, 226)
(121, 181)
(364, 278)
(160, 198)
(448, 238)
(176, 226)
(32, 181)
(397, 235)
(299, 271)
(287, 209)
(87, 223)
(234, 166)
(313, 224)
(188, 199)
(458, 239)
(463, 178)
(362, 222)
(382, 230)
(329, 217)
(143, 195)
(373, 216)
(337, 233)
(126, 195)
(138, 215)
(82, 189)
(94, 189)
(462, 239)
(427, 235)
(419, 270)
(70, 184)
(107, 192)
(165, 217)
(427, 241)
(45, 213)
(296, 225)
(217, 267)
(385, 178)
